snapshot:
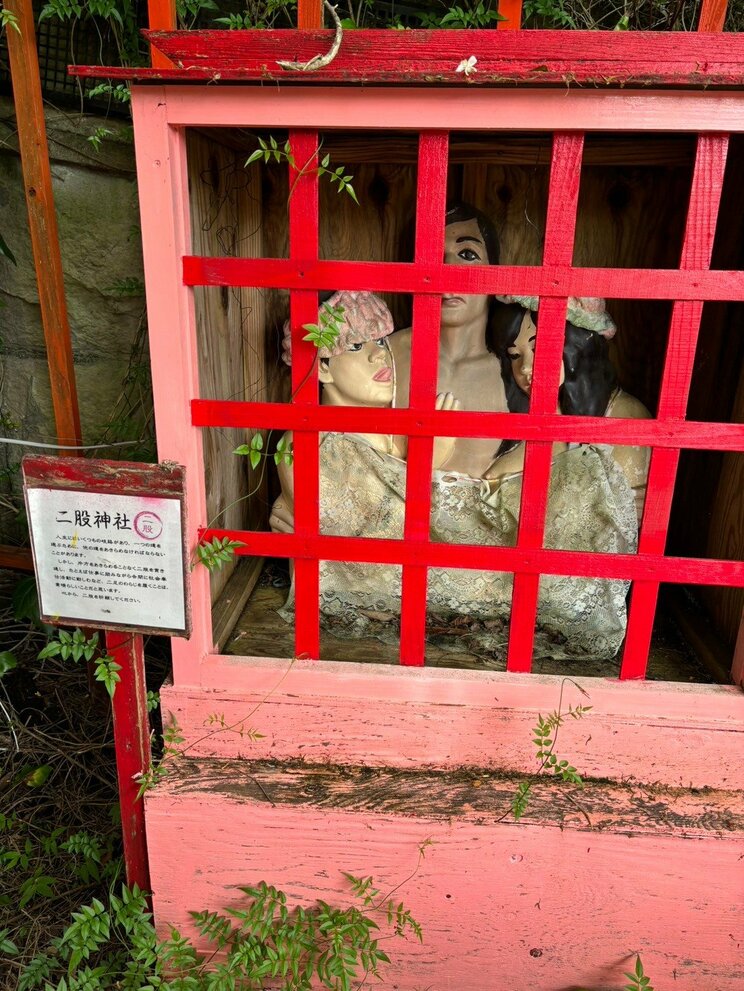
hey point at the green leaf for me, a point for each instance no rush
(25, 600)
(38, 777)
(254, 157)
(8, 662)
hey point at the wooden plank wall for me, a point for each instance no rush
(226, 219)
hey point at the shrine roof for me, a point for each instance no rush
(463, 58)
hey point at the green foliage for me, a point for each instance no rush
(153, 700)
(262, 942)
(8, 662)
(325, 333)
(638, 980)
(284, 453)
(520, 799)
(544, 739)
(8, 20)
(472, 15)
(119, 93)
(25, 600)
(172, 740)
(253, 450)
(216, 552)
(34, 857)
(75, 646)
(97, 137)
(259, 14)
(550, 13)
(271, 150)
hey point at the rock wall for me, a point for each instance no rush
(96, 201)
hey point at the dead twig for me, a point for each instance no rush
(319, 61)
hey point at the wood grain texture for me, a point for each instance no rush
(446, 718)
(225, 203)
(42, 219)
(545, 57)
(232, 599)
(551, 903)
(16, 558)
(712, 15)
(161, 16)
(132, 742)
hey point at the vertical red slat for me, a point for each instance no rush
(511, 10)
(161, 16)
(132, 741)
(712, 15)
(303, 245)
(560, 227)
(431, 198)
(697, 248)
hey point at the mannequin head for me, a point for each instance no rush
(357, 370)
(587, 376)
(469, 239)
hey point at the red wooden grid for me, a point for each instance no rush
(427, 278)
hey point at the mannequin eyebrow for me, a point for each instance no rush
(467, 237)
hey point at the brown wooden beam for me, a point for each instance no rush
(16, 558)
(42, 219)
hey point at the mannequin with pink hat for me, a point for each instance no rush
(356, 370)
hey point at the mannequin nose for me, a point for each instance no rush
(378, 355)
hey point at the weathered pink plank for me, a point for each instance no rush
(417, 109)
(355, 713)
(548, 904)
(164, 204)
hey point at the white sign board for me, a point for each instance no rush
(108, 560)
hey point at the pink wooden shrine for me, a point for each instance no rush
(651, 861)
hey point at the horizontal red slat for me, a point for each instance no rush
(651, 567)
(544, 57)
(461, 423)
(549, 280)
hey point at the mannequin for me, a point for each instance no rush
(357, 371)
(466, 368)
(588, 383)
(591, 506)
(362, 476)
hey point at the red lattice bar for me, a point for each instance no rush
(431, 197)
(462, 423)
(549, 280)
(560, 227)
(697, 249)
(303, 243)
(631, 567)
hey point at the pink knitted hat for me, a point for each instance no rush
(589, 312)
(362, 317)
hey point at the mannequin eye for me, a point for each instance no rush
(512, 357)
(468, 255)
(381, 342)
(355, 347)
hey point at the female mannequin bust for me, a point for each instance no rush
(588, 383)
(357, 371)
(466, 367)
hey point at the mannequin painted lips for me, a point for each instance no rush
(384, 375)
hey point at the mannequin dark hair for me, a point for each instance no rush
(590, 378)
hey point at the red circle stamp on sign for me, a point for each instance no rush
(148, 525)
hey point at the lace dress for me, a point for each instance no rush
(362, 493)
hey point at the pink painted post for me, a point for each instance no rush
(132, 741)
(165, 220)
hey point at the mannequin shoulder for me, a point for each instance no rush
(627, 407)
